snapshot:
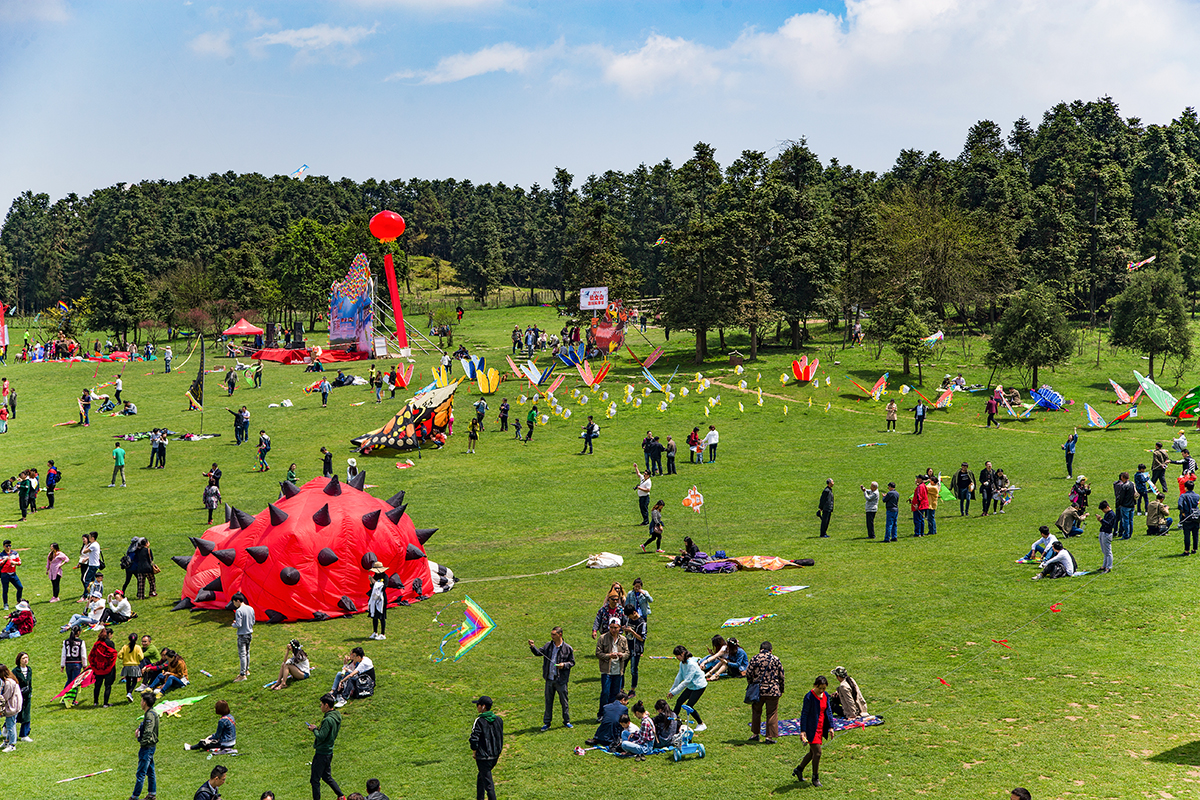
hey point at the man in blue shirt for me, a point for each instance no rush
(1069, 448)
(1189, 517)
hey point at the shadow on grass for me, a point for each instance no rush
(1184, 754)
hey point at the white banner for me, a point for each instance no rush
(594, 299)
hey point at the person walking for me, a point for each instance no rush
(991, 407)
(690, 684)
(1159, 460)
(612, 651)
(963, 484)
(326, 463)
(118, 456)
(243, 623)
(325, 735)
(711, 440)
(656, 527)
(558, 658)
(324, 388)
(918, 418)
(481, 407)
(212, 498)
(487, 742)
(643, 492)
(890, 416)
(147, 737)
(264, 447)
(765, 671)
(530, 419)
(9, 561)
(825, 508)
(1125, 498)
(891, 506)
(52, 477)
(24, 676)
(1107, 524)
(987, 477)
(816, 726)
(473, 428)
(872, 506)
(672, 448)
(589, 433)
(504, 409)
(1069, 449)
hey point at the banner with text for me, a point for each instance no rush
(594, 299)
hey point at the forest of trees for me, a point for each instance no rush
(764, 244)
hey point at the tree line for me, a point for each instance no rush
(1043, 217)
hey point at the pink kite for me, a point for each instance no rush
(590, 378)
(804, 371)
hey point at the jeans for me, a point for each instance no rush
(243, 646)
(644, 507)
(484, 785)
(1125, 529)
(918, 522)
(638, 748)
(557, 687)
(73, 671)
(10, 730)
(634, 660)
(587, 443)
(918, 425)
(712, 453)
(964, 505)
(322, 770)
(931, 520)
(1143, 502)
(145, 772)
(871, 524)
(165, 682)
(1071, 474)
(670, 465)
(1191, 532)
(7, 578)
(1106, 538)
(1159, 476)
(88, 575)
(889, 524)
(610, 686)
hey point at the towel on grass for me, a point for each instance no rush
(791, 727)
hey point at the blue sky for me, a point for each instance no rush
(92, 93)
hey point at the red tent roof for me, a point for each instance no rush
(242, 328)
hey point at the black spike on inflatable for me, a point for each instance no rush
(184, 604)
(326, 557)
(370, 520)
(244, 520)
(205, 596)
(394, 582)
(423, 534)
(182, 561)
(214, 585)
(289, 575)
(334, 487)
(395, 514)
(396, 499)
(228, 511)
(203, 545)
(226, 556)
(259, 553)
(413, 553)
(347, 605)
(320, 616)
(368, 559)
(417, 587)
(230, 606)
(289, 489)
(274, 617)
(358, 481)
(321, 515)
(278, 515)
(234, 520)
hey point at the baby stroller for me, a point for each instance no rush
(681, 742)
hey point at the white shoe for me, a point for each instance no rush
(187, 746)
(129, 696)
(339, 704)
(381, 637)
(111, 485)
(701, 728)
(26, 739)
(8, 748)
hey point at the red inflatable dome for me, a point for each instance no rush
(308, 555)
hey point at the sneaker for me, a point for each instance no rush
(54, 599)
(568, 725)
(339, 704)
(701, 728)
(129, 696)
(187, 746)
(239, 679)
(545, 728)
(1037, 577)
(26, 739)
(381, 637)
(111, 485)
(372, 636)
(8, 748)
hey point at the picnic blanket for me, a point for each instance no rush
(791, 727)
(619, 753)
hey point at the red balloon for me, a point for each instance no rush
(387, 226)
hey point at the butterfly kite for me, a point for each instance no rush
(1123, 397)
(654, 381)
(934, 340)
(572, 356)
(650, 359)
(475, 628)
(472, 366)
(592, 378)
(804, 371)
(488, 381)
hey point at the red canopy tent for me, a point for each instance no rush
(242, 328)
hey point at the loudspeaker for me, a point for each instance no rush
(298, 331)
(272, 334)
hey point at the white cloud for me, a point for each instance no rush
(660, 61)
(214, 43)
(316, 37)
(503, 57)
(34, 11)
(257, 22)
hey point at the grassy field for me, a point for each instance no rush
(1096, 701)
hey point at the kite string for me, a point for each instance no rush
(513, 577)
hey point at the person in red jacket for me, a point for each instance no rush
(919, 505)
(20, 622)
(9, 561)
(103, 660)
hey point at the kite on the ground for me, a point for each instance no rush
(441, 377)
(488, 381)
(804, 371)
(592, 379)
(650, 359)
(1122, 395)
(423, 419)
(933, 340)
(945, 400)
(1165, 401)
(778, 590)
(654, 381)
(535, 376)
(1045, 398)
(572, 356)
(1185, 407)
(1094, 419)
(1131, 266)
(474, 629)
(555, 384)
(694, 500)
(472, 366)
(876, 391)
(1130, 414)
(737, 622)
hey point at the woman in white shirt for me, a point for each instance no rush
(711, 439)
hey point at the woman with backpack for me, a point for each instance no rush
(143, 568)
(127, 561)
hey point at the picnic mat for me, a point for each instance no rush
(791, 727)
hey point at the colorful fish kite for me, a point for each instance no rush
(300, 172)
(694, 500)
(1094, 419)
(933, 340)
(1131, 266)
(804, 371)
(778, 590)
(474, 629)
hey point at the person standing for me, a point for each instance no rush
(816, 726)
(672, 448)
(530, 419)
(258, 375)
(711, 440)
(326, 463)
(872, 506)
(656, 527)
(1189, 517)
(589, 433)
(264, 447)
(377, 601)
(212, 498)
(392, 382)
(481, 408)
(118, 456)
(919, 503)
(891, 507)
(323, 740)
(1125, 498)
(56, 559)
(824, 509)
(635, 633)
(473, 428)
(964, 489)
(119, 386)
(487, 742)
(918, 418)
(90, 561)
(766, 670)
(52, 476)
(324, 388)
(987, 477)
(690, 684)
(167, 355)
(147, 737)
(24, 676)
(1107, 524)
(85, 406)
(646, 442)
(1141, 483)
(504, 408)
(612, 651)
(143, 566)
(695, 452)
(558, 658)
(933, 488)
(1069, 449)
(643, 492)
(991, 407)
(11, 704)
(103, 661)
(890, 416)
(243, 623)
(1158, 465)
(9, 561)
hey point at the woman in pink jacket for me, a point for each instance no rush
(55, 560)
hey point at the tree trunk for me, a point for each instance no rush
(1035, 383)
(778, 331)
(920, 377)
(906, 363)
(721, 334)
(753, 342)
(794, 326)
(1151, 365)
(699, 345)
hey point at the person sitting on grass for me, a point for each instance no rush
(118, 610)
(641, 741)
(715, 653)
(295, 665)
(94, 610)
(666, 724)
(226, 735)
(1157, 521)
(152, 669)
(1039, 549)
(20, 622)
(608, 732)
(355, 679)
(848, 701)
(1060, 565)
(733, 664)
(174, 676)
(128, 409)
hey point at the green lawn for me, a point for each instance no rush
(1095, 701)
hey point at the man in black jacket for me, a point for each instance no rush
(608, 732)
(1125, 499)
(209, 789)
(825, 507)
(557, 659)
(487, 740)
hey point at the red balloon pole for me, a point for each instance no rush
(390, 270)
